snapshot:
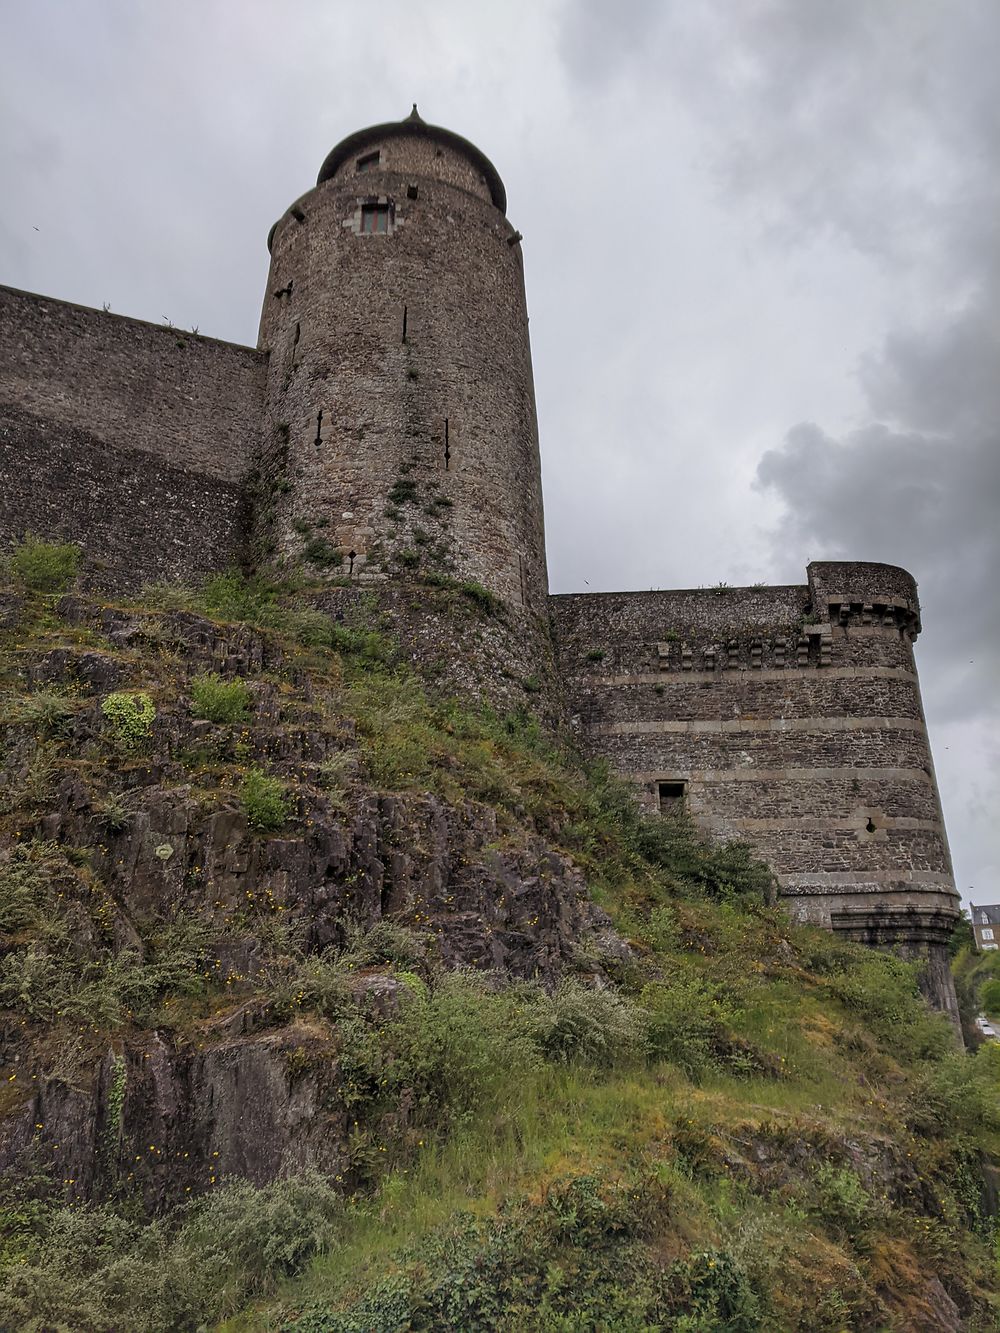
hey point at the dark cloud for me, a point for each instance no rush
(928, 503)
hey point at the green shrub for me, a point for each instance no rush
(313, 629)
(319, 983)
(727, 872)
(45, 710)
(53, 978)
(367, 644)
(841, 1201)
(577, 1022)
(686, 1018)
(989, 996)
(960, 1093)
(334, 775)
(265, 800)
(452, 1050)
(103, 1272)
(481, 597)
(317, 629)
(44, 566)
(318, 551)
(384, 942)
(883, 990)
(236, 596)
(22, 890)
(716, 1295)
(219, 700)
(403, 491)
(130, 718)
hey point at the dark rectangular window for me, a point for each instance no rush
(374, 218)
(369, 160)
(671, 796)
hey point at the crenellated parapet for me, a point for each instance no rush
(866, 595)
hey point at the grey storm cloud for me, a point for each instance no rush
(925, 502)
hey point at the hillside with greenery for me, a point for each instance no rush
(329, 1004)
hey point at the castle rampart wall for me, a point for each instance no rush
(131, 438)
(789, 717)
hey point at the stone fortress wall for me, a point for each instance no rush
(384, 436)
(789, 717)
(134, 439)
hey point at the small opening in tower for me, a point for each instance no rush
(369, 160)
(374, 219)
(870, 826)
(447, 446)
(671, 795)
(319, 429)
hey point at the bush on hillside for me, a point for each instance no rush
(130, 716)
(686, 1018)
(577, 1022)
(265, 800)
(218, 700)
(104, 1272)
(44, 566)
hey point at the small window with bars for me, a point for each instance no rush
(374, 219)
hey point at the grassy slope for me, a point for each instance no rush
(756, 1127)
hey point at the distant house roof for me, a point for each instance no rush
(988, 915)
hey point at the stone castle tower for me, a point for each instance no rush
(399, 389)
(383, 436)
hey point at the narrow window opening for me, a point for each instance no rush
(374, 219)
(298, 334)
(671, 796)
(298, 215)
(404, 323)
(870, 826)
(319, 429)
(447, 448)
(411, 192)
(369, 160)
(351, 556)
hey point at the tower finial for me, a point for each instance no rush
(415, 114)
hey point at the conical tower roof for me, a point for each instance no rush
(412, 124)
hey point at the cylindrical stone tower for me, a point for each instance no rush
(400, 402)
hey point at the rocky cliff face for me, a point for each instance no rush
(271, 911)
(133, 837)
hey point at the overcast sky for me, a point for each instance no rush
(761, 250)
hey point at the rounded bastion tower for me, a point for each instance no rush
(402, 442)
